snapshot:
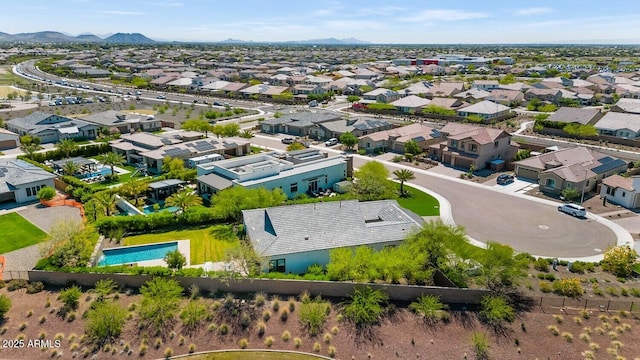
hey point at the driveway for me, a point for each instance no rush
(46, 217)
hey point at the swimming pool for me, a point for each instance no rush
(149, 209)
(132, 254)
(102, 171)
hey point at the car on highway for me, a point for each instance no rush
(331, 142)
(161, 97)
(287, 140)
(573, 209)
(504, 179)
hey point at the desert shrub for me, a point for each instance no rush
(578, 267)
(223, 329)
(612, 291)
(193, 315)
(284, 315)
(366, 306)
(297, 342)
(70, 297)
(286, 335)
(317, 347)
(160, 303)
(428, 307)
(168, 352)
(480, 344)
(243, 343)
(541, 265)
(269, 341)
(597, 290)
(585, 314)
(105, 322)
(331, 351)
(495, 311)
(568, 287)
(5, 305)
(35, 287)
(192, 348)
(326, 338)
(619, 260)
(276, 304)
(313, 314)
(554, 330)
(266, 315)
(545, 287)
(261, 328)
(634, 292)
(559, 319)
(17, 284)
(260, 298)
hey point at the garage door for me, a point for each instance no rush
(8, 196)
(8, 144)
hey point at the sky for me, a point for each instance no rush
(375, 21)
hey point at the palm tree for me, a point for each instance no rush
(184, 199)
(403, 175)
(30, 150)
(70, 168)
(112, 159)
(106, 200)
(67, 146)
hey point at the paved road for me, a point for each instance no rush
(519, 221)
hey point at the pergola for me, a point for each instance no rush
(84, 165)
(160, 190)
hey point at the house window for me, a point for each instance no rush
(293, 188)
(28, 191)
(473, 147)
(33, 190)
(624, 193)
(550, 183)
(611, 191)
(569, 185)
(495, 144)
(277, 265)
(454, 143)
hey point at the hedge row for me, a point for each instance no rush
(123, 269)
(85, 151)
(196, 215)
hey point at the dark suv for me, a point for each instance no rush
(287, 140)
(504, 179)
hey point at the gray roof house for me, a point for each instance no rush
(52, 128)
(576, 115)
(298, 124)
(21, 181)
(297, 236)
(124, 122)
(621, 125)
(356, 126)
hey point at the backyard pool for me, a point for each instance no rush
(102, 171)
(132, 254)
(149, 209)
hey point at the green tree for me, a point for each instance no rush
(246, 260)
(133, 188)
(620, 261)
(522, 154)
(403, 175)
(5, 305)
(67, 146)
(70, 297)
(412, 147)
(184, 199)
(349, 140)
(229, 203)
(372, 183)
(30, 150)
(160, 303)
(197, 125)
(70, 168)
(353, 98)
(105, 322)
(365, 307)
(500, 267)
(69, 244)
(46, 193)
(106, 200)
(175, 260)
(570, 193)
(111, 159)
(230, 129)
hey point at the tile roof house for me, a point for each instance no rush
(381, 95)
(621, 125)
(356, 126)
(631, 106)
(124, 123)
(394, 139)
(485, 110)
(297, 236)
(465, 146)
(411, 103)
(624, 191)
(132, 145)
(21, 181)
(298, 124)
(8, 139)
(581, 116)
(52, 128)
(506, 97)
(577, 167)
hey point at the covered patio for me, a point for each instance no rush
(84, 165)
(160, 190)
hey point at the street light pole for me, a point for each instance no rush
(584, 185)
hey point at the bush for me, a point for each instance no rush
(495, 311)
(568, 287)
(366, 306)
(619, 260)
(312, 315)
(480, 343)
(541, 265)
(578, 267)
(17, 284)
(70, 297)
(35, 287)
(428, 307)
(243, 343)
(46, 193)
(5, 305)
(105, 322)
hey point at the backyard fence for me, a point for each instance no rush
(572, 306)
(7, 275)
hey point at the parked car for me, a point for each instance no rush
(573, 209)
(331, 142)
(287, 140)
(504, 179)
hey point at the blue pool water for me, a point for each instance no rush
(149, 209)
(104, 171)
(131, 254)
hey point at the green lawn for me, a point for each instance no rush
(419, 202)
(251, 355)
(206, 243)
(18, 232)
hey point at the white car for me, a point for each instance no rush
(331, 142)
(573, 209)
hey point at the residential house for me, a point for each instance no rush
(297, 172)
(52, 128)
(21, 181)
(381, 95)
(569, 115)
(447, 103)
(356, 126)
(472, 95)
(630, 106)
(549, 95)
(262, 91)
(395, 139)
(577, 167)
(294, 237)
(124, 123)
(307, 89)
(485, 110)
(509, 98)
(8, 139)
(467, 146)
(624, 191)
(411, 104)
(298, 124)
(620, 125)
(130, 146)
(486, 85)
(235, 146)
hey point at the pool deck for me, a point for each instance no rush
(183, 247)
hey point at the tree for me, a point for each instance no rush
(295, 146)
(106, 200)
(570, 193)
(5, 305)
(30, 150)
(500, 267)
(230, 129)
(245, 259)
(371, 183)
(349, 140)
(67, 146)
(403, 175)
(197, 125)
(70, 168)
(112, 159)
(46, 193)
(365, 307)
(133, 188)
(229, 203)
(218, 130)
(69, 244)
(70, 297)
(105, 322)
(620, 261)
(184, 199)
(175, 260)
(160, 303)
(353, 98)
(412, 147)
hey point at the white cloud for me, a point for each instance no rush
(445, 15)
(118, 12)
(534, 11)
(344, 25)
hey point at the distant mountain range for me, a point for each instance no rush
(137, 38)
(58, 37)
